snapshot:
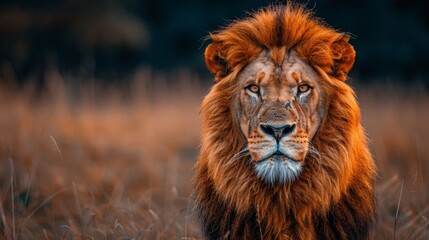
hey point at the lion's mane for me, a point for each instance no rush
(333, 198)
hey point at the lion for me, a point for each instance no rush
(283, 154)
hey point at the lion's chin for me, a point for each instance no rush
(278, 169)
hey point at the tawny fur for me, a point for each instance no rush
(333, 197)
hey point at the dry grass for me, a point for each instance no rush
(93, 162)
(397, 122)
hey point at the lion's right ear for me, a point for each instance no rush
(344, 57)
(215, 61)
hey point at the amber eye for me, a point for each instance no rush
(253, 88)
(303, 88)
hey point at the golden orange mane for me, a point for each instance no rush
(289, 26)
(333, 198)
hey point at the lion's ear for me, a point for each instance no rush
(344, 57)
(215, 61)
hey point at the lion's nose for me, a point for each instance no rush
(278, 131)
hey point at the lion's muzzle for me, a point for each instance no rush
(278, 142)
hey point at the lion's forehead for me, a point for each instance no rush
(277, 76)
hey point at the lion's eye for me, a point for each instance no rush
(303, 88)
(253, 88)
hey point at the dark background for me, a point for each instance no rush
(112, 39)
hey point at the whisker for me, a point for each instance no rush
(313, 152)
(244, 152)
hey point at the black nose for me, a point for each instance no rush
(278, 131)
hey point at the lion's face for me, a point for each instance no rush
(280, 109)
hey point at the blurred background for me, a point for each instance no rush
(99, 124)
(111, 39)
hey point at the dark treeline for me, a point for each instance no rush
(109, 39)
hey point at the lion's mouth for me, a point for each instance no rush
(278, 168)
(278, 156)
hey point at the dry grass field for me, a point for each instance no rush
(88, 161)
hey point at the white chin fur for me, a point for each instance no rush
(278, 171)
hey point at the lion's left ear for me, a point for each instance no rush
(344, 57)
(215, 60)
